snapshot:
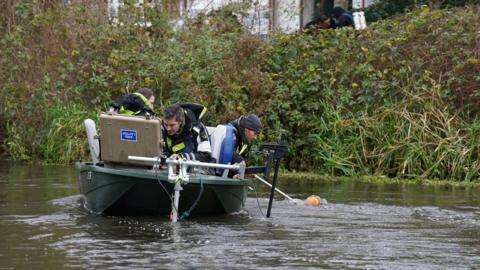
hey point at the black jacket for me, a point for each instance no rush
(132, 104)
(242, 147)
(192, 142)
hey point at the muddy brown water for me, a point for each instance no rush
(363, 226)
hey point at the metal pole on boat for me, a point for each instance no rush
(276, 189)
(176, 199)
(153, 160)
(179, 179)
(274, 183)
(276, 152)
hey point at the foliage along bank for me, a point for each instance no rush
(398, 99)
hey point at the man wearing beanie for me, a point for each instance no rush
(246, 130)
(138, 103)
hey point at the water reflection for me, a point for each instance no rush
(363, 226)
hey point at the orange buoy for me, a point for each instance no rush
(313, 200)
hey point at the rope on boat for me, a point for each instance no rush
(187, 213)
(256, 197)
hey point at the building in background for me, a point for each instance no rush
(257, 18)
(263, 17)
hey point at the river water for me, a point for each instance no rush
(363, 226)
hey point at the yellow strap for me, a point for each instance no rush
(125, 111)
(178, 147)
(244, 147)
(145, 100)
(202, 113)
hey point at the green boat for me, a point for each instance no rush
(140, 191)
(129, 177)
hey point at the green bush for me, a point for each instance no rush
(400, 98)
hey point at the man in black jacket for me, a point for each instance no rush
(341, 18)
(246, 130)
(184, 134)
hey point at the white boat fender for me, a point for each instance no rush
(222, 141)
(93, 142)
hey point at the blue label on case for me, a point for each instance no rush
(128, 135)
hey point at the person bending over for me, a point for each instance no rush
(246, 130)
(184, 134)
(138, 103)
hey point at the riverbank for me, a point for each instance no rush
(310, 178)
(399, 99)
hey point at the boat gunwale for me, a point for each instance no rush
(161, 175)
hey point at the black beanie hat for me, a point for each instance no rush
(252, 122)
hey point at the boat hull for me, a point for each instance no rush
(133, 191)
